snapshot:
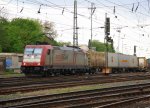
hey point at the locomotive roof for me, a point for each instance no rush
(67, 48)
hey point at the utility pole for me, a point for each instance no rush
(108, 40)
(92, 12)
(75, 26)
(134, 50)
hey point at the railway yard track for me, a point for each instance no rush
(25, 80)
(114, 97)
(120, 96)
(34, 85)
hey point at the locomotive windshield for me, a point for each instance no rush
(32, 54)
(33, 50)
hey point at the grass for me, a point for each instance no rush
(51, 91)
(11, 73)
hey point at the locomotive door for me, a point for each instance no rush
(48, 57)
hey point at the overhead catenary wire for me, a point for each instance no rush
(128, 8)
(69, 11)
(80, 14)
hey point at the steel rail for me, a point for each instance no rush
(83, 96)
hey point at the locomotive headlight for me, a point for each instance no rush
(24, 63)
(38, 64)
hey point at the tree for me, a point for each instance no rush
(22, 32)
(49, 31)
(101, 47)
(4, 39)
(16, 34)
(0, 49)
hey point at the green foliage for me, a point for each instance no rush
(16, 34)
(101, 47)
(0, 49)
(4, 40)
(22, 32)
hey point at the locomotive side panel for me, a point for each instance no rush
(81, 60)
(62, 58)
(48, 58)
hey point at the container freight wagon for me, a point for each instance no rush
(121, 62)
(116, 62)
(96, 60)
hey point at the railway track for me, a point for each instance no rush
(30, 81)
(99, 98)
(12, 78)
(17, 81)
(25, 81)
(68, 83)
(127, 102)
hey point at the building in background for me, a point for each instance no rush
(10, 61)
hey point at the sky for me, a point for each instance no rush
(130, 17)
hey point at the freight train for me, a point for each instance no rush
(45, 60)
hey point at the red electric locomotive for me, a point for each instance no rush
(51, 60)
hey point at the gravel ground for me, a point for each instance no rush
(141, 104)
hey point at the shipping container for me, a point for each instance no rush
(142, 62)
(117, 60)
(96, 59)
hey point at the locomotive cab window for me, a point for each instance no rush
(28, 50)
(33, 50)
(37, 51)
